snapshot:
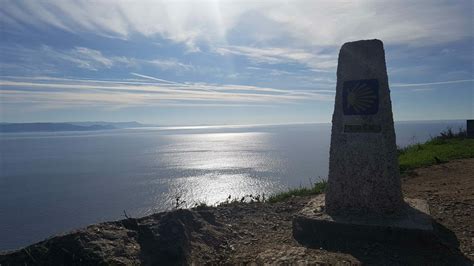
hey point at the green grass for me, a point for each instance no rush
(316, 188)
(435, 151)
(447, 146)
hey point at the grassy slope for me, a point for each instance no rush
(435, 151)
(316, 188)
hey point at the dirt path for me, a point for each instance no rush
(449, 189)
(261, 233)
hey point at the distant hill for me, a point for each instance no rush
(114, 124)
(49, 127)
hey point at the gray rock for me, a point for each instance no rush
(363, 169)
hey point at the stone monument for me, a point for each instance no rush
(364, 198)
(363, 166)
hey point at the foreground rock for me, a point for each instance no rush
(261, 233)
(179, 237)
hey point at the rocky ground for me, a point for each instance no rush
(260, 233)
(449, 189)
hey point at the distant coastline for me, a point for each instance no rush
(65, 126)
(102, 125)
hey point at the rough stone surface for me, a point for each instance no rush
(314, 225)
(181, 237)
(363, 169)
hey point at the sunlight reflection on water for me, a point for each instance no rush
(51, 182)
(221, 164)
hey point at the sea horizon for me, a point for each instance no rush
(65, 180)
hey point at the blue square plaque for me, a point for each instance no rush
(360, 97)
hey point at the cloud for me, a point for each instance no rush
(396, 22)
(94, 60)
(153, 78)
(265, 32)
(315, 60)
(170, 64)
(82, 57)
(46, 58)
(423, 90)
(301, 23)
(431, 83)
(64, 92)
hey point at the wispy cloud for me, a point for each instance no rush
(82, 57)
(153, 78)
(423, 89)
(79, 92)
(285, 52)
(275, 55)
(431, 83)
(306, 23)
(169, 64)
(94, 60)
(46, 59)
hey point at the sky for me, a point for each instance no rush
(225, 62)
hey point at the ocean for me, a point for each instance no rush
(54, 182)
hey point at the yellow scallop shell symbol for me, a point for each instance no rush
(360, 97)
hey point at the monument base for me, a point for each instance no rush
(315, 227)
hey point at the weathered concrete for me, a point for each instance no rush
(315, 226)
(363, 168)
